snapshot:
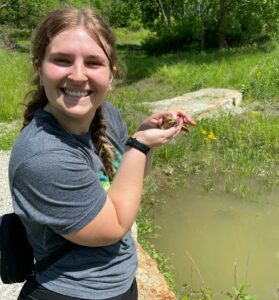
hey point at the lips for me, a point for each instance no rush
(76, 93)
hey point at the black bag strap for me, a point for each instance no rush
(44, 263)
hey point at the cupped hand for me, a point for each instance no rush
(151, 134)
(155, 137)
(156, 120)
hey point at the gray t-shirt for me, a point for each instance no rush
(58, 185)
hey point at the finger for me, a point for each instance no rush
(169, 133)
(186, 118)
(185, 129)
(161, 114)
(178, 130)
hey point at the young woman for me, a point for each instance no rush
(74, 174)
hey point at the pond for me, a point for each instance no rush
(216, 239)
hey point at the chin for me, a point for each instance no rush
(79, 114)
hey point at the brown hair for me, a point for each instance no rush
(54, 23)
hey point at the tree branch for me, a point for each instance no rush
(3, 5)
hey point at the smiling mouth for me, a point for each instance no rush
(76, 93)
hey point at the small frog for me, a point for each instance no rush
(168, 122)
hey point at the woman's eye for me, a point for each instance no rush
(94, 63)
(62, 61)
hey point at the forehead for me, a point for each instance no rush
(75, 41)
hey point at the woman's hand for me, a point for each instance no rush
(151, 133)
(156, 120)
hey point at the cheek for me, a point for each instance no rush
(53, 73)
(100, 78)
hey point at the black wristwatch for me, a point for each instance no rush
(134, 143)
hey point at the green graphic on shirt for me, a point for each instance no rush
(104, 178)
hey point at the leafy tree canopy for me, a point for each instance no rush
(176, 24)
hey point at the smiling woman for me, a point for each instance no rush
(76, 82)
(74, 176)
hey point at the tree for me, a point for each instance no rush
(25, 13)
(214, 23)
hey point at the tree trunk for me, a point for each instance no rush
(165, 19)
(202, 13)
(222, 22)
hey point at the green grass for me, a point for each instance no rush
(253, 71)
(125, 36)
(14, 83)
(8, 134)
(235, 146)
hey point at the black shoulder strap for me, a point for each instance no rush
(44, 263)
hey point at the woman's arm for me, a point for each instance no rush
(120, 210)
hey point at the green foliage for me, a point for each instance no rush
(212, 24)
(26, 13)
(124, 14)
(264, 80)
(150, 12)
(234, 142)
(240, 293)
(98, 4)
(180, 36)
(203, 24)
(188, 293)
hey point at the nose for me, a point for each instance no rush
(78, 72)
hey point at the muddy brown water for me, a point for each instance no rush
(215, 239)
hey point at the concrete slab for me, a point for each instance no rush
(201, 103)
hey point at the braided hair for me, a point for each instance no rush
(57, 21)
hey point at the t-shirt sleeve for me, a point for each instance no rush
(58, 189)
(123, 132)
(116, 124)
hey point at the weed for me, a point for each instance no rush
(240, 293)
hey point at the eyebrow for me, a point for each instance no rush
(69, 55)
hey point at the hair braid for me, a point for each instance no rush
(98, 134)
(38, 100)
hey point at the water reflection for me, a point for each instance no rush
(215, 239)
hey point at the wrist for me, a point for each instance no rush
(133, 142)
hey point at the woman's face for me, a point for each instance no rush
(76, 76)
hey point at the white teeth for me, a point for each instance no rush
(76, 93)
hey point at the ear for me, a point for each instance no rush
(37, 66)
(112, 74)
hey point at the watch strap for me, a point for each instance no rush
(134, 143)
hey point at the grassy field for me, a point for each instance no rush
(14, 77)
(244, 146)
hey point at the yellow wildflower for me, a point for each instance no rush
(211, 136)
(203, 131)
(255, 113)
